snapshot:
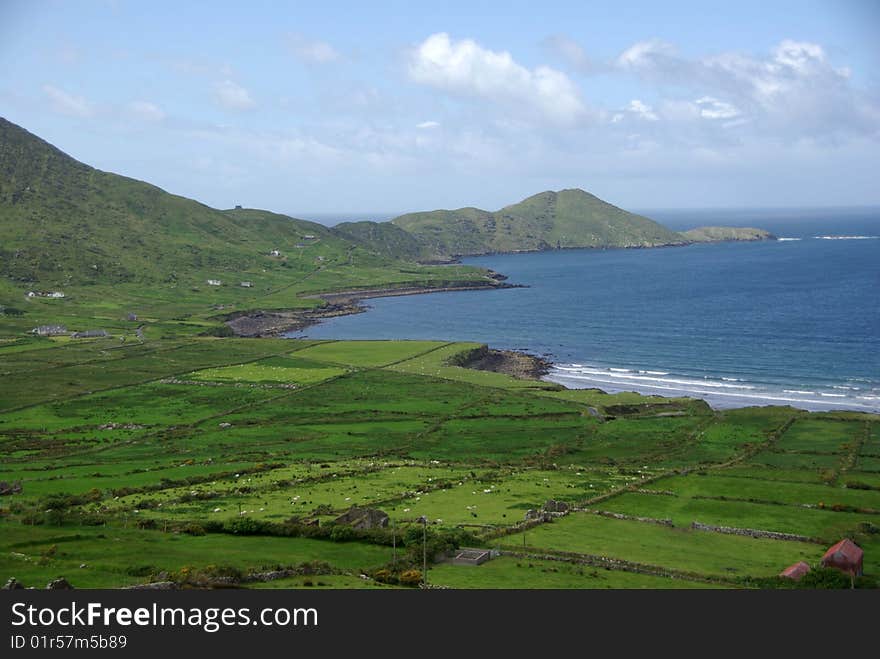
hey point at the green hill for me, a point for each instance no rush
(549, 220)
(384, 238)
(65, 223)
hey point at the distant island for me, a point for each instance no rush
(567, 219)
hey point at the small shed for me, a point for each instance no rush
(246, 284)
(795, 572)
(214, 282)
(845, 556)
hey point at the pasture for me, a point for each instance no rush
(138, 460)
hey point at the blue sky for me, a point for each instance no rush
(359, 108)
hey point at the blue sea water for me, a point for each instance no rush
(794, 321)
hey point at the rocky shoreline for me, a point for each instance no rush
(273, 323)
(510, 362)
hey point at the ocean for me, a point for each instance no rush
(789, 322)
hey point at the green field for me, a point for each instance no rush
(696, 553)
(231, 457)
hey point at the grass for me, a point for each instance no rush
(826, 525)
(698, 552)
(115, 556)
(509, 572)
(773, 491)
(275, 370)
(276, 429)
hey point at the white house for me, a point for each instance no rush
(214, 282)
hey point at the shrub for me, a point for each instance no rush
(193, 529)
(411, 577)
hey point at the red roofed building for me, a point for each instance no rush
(846, 556)
(796, 571)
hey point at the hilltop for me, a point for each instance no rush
(548, 220)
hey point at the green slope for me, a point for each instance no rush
(384, 238)
(549, 220)
(65, 223)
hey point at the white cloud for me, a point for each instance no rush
(428, 124)
(146, 111)
(794, 91)
(641, 110)
(64, 103)
(232, 96)
(312, 50)
(646, 55)
(712, 108)
(464, 67)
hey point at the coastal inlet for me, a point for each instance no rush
(738, 324)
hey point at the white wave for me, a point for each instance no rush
(833, 395)
(799, 391)
(731, 379)
(785, 240)
(846, 237)
(619, 375)
(654, 372)
(756, 395)
(620, 370)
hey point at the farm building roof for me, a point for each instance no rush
(845, 550)
(796, 571)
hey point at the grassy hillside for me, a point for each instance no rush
(66, 223)
(549, 220)
(115, 245)
(384, 238)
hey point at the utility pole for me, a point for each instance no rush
(424, 521)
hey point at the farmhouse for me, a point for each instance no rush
(50, 330)
(795, 572)
(845, 556)
(246, 284)
(275, 252)
(50, 294)
(215, 282)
